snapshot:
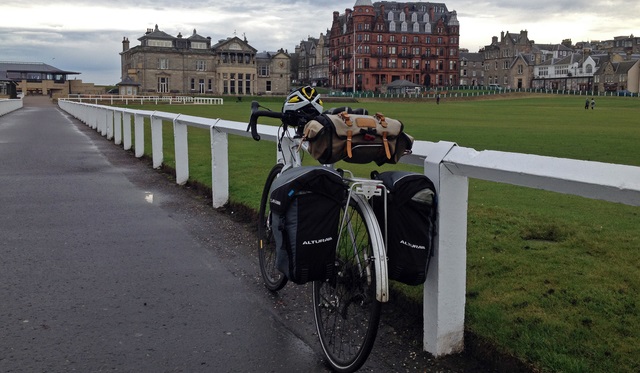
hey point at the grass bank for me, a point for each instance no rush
(551, 279)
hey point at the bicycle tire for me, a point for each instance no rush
(274, 280)
(345, 307)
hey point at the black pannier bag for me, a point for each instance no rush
(305, 205)
(411, 215)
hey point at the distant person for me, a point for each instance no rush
(438, 99)
(593, 103)
(586, 104)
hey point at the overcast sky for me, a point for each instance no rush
(85, 36)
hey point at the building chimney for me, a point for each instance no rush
(125, 44)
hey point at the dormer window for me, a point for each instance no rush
(160, 43)
(198, 45)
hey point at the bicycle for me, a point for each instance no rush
(347, 305)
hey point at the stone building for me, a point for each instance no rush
(615, 75)
(374, 44)
(313, 61)
(274, 72)
(508, 61)
(164, 64)
(471, 69)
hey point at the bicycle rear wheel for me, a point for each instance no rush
(345, 307)
(274, 280)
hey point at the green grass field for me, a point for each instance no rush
(552, 279)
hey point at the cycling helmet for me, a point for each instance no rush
(305, 101)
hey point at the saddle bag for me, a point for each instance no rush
(356, 138)
(411, 218)
(305, 205)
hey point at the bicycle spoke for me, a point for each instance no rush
(345, 307)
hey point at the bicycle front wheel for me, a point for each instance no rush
(345, 307)
(274, 280)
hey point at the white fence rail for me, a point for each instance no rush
(126, 100)
(447, 164)
(7, 106)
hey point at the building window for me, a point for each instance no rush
(198, 45)
(232, 83)
(263, 70)
(163, 84)
(201, 65)
(160, 43)
(240, 77)
(163, 63)
(379, 38)
(268, 85)
(192, 84)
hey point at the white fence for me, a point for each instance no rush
(447, 164)
(7, 106)
(126, 100)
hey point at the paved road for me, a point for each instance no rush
(107, 265)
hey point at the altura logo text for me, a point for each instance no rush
(413, 246)
(315, 242)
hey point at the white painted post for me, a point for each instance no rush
(181, 151)
(117, 127)
(156, 142)
(126, 130)
(102, 121)
(138, 120)
(92, 117)
(444, 289)
(219, 167)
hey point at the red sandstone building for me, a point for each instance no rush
(375, 44)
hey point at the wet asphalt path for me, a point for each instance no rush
(107, 265)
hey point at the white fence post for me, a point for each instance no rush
(181, 144)
(102, 121)
(138, 120)
(156, 141)
(219, 167)
(444, 289)
(109, 117)
(117, 127)
(126, 130)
